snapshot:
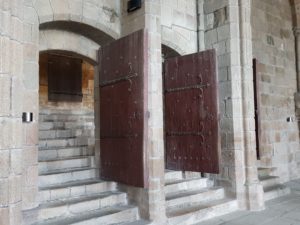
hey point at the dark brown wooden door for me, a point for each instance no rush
(191, 113)
(122, 102)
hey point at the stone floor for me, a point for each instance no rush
(281, 211)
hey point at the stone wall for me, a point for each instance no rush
(274, 48)
(228, 30)
(11, 86)
(217, 35)
(87, 103)
(179, 25)
(151, 201)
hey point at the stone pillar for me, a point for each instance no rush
(200, 25)
(228, 30)
(152, 200)
(11, 152)
(30, 83)
(250, 194)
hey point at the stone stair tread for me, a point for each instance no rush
(90, 215)
(188, 209)
(59, 138)
(278, 186)
(268, 177)
(52, 172)
(72, 184)
(275, 187)
(75, 200)
(276, 191)
(186, 193)
(67, 158)
(138, 222)
(183, 180)
(62, 147)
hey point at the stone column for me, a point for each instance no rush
(152, 200)
(30, 93)
(251, 192)
(11, 152)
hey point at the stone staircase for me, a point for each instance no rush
(192, 199)
(69, 190)
(271, 184)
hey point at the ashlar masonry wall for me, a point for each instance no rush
(228, 30)
(274, 49)
(179, 25)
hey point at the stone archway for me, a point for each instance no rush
(58, 26)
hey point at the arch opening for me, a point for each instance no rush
(92, 33)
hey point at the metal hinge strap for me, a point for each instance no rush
(198, 86)
(125, 78)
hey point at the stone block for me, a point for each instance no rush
(214, 5)
(4, 163)
(10, 126)
(31, 176)
(90, 13)
(31, 52)
(44, 10)
(4, 216)
(30, 156)
(16, 97)
(5, 23)
(75, 9)
(31, 75)
(30, 15)
(31, 134)
(211, 37)
(60, 193)
(31, 102)
(4, 192)
(16, 158)
(5, 95)
(15, 189)
(61, 10)
(15, 214)
(30, 197)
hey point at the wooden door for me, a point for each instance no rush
(123, 88)
(191, 113)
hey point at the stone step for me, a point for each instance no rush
(66, 117)
(67, 133)
(65, 175)
(60, 125)
(138, 222)
(184, 185)
(66, 163)
(58, 153)
(265, 171)
(107, 216)
(75, 189)
(79, 206)
(171, 175)
(269, 181)
(194, 197)
(191, 175)
(198, 213)
(276, 191)
(63, 142)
